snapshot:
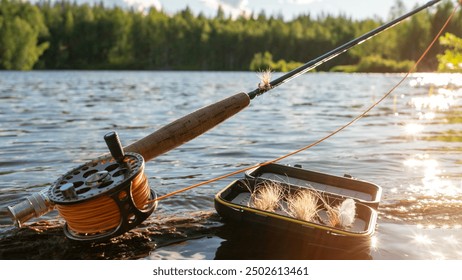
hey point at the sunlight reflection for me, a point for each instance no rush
(436, 244)
(422, 160)
(422, 239)
(451, 240)
(436, 79)
(427, 116)
(374, 243)
(433, 181)
(441, 102)
(413, 128)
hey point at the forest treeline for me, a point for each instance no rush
(65, 35)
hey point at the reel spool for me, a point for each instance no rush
(100, 199)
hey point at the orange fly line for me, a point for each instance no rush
(81, 217)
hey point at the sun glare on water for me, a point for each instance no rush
(413, 129)
(436, 79)
(435, 116)
(433, 182)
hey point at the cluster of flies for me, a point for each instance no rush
(304, 204)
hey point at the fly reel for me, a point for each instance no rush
(100, 199)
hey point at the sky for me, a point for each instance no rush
(357, 9)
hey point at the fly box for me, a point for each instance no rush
(322, 209)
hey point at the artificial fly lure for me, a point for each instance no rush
(265, 80)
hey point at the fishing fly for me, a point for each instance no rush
(265, 80)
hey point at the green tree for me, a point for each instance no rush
(414, 37)
(59, 19)
(262, 62)
(451, 59)
(21, 24)
(118, 47)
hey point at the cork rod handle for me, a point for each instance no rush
(188, 127)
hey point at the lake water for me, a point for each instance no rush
(410, 145)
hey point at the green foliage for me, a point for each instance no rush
(64, 35)
(261, 62)
(376, 64)
(20, 28)
(345, 68)
(451, 59)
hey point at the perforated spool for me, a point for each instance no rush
(104, 181)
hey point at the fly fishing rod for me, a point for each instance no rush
(110, 195)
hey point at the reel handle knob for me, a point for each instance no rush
(114, 145)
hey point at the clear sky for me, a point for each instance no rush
(289, 8)
(357, 9)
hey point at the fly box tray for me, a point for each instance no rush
(361, 191)
(324, 225)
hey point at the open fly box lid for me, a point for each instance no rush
(233, 203)
(361, 191)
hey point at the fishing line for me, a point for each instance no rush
(81, 218)
(290, 76)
